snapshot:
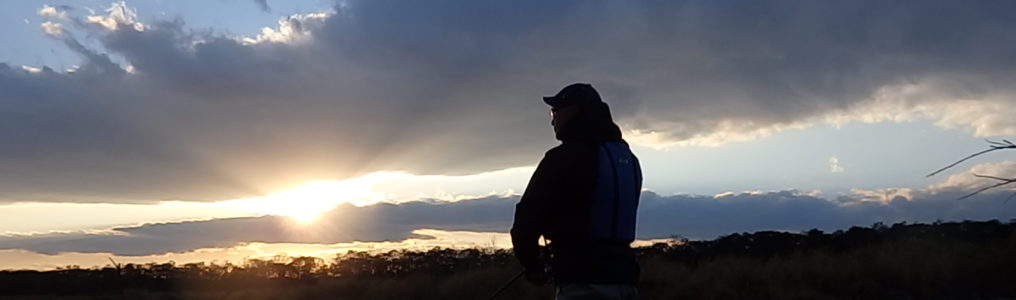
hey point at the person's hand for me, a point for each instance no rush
(537, 276)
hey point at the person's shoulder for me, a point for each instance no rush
(571, 149)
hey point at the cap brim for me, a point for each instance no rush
(552, 101)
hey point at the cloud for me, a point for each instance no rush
(118, 14)
(453, 88)
(52, 29)
(345, 223)
(691, 216)
(834, 165)
(31, 69)
(982, 113)
(292, 29)
(54, 12)
(968, 180)
(885, 196)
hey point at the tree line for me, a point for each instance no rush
(669, 269)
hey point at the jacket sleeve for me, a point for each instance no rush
(532, 211)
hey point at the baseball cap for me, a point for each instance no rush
(576, 93)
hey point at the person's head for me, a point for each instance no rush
(577, 112)
(562, 116)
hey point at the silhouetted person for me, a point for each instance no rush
(582, 199)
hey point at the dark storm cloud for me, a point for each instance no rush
(453, 87)
(696, 217)
(700, 217)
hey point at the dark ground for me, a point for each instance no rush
(963, 260)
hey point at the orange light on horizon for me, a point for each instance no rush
(306, 203)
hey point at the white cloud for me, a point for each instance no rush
(724, 194)
(52, 12)
(834, 165)
(950, 106)
(884, 196)
(118, 14)
(294, 28)
(52, 29)
(967, 182)
(31, 69)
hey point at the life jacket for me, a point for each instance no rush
(616, 196)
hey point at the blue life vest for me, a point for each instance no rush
(616, 197)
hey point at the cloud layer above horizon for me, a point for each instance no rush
(160, 111)
(660, 216)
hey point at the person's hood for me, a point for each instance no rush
(592, 123)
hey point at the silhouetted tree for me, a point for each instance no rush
(306, 266)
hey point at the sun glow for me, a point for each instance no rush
(306, 203)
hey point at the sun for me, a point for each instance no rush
(305, 204)
(306, 217)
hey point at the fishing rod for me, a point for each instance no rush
(507, 284)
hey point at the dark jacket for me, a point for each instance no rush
(566, 202)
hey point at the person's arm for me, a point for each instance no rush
(531, 213)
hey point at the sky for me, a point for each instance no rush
(231, 129)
